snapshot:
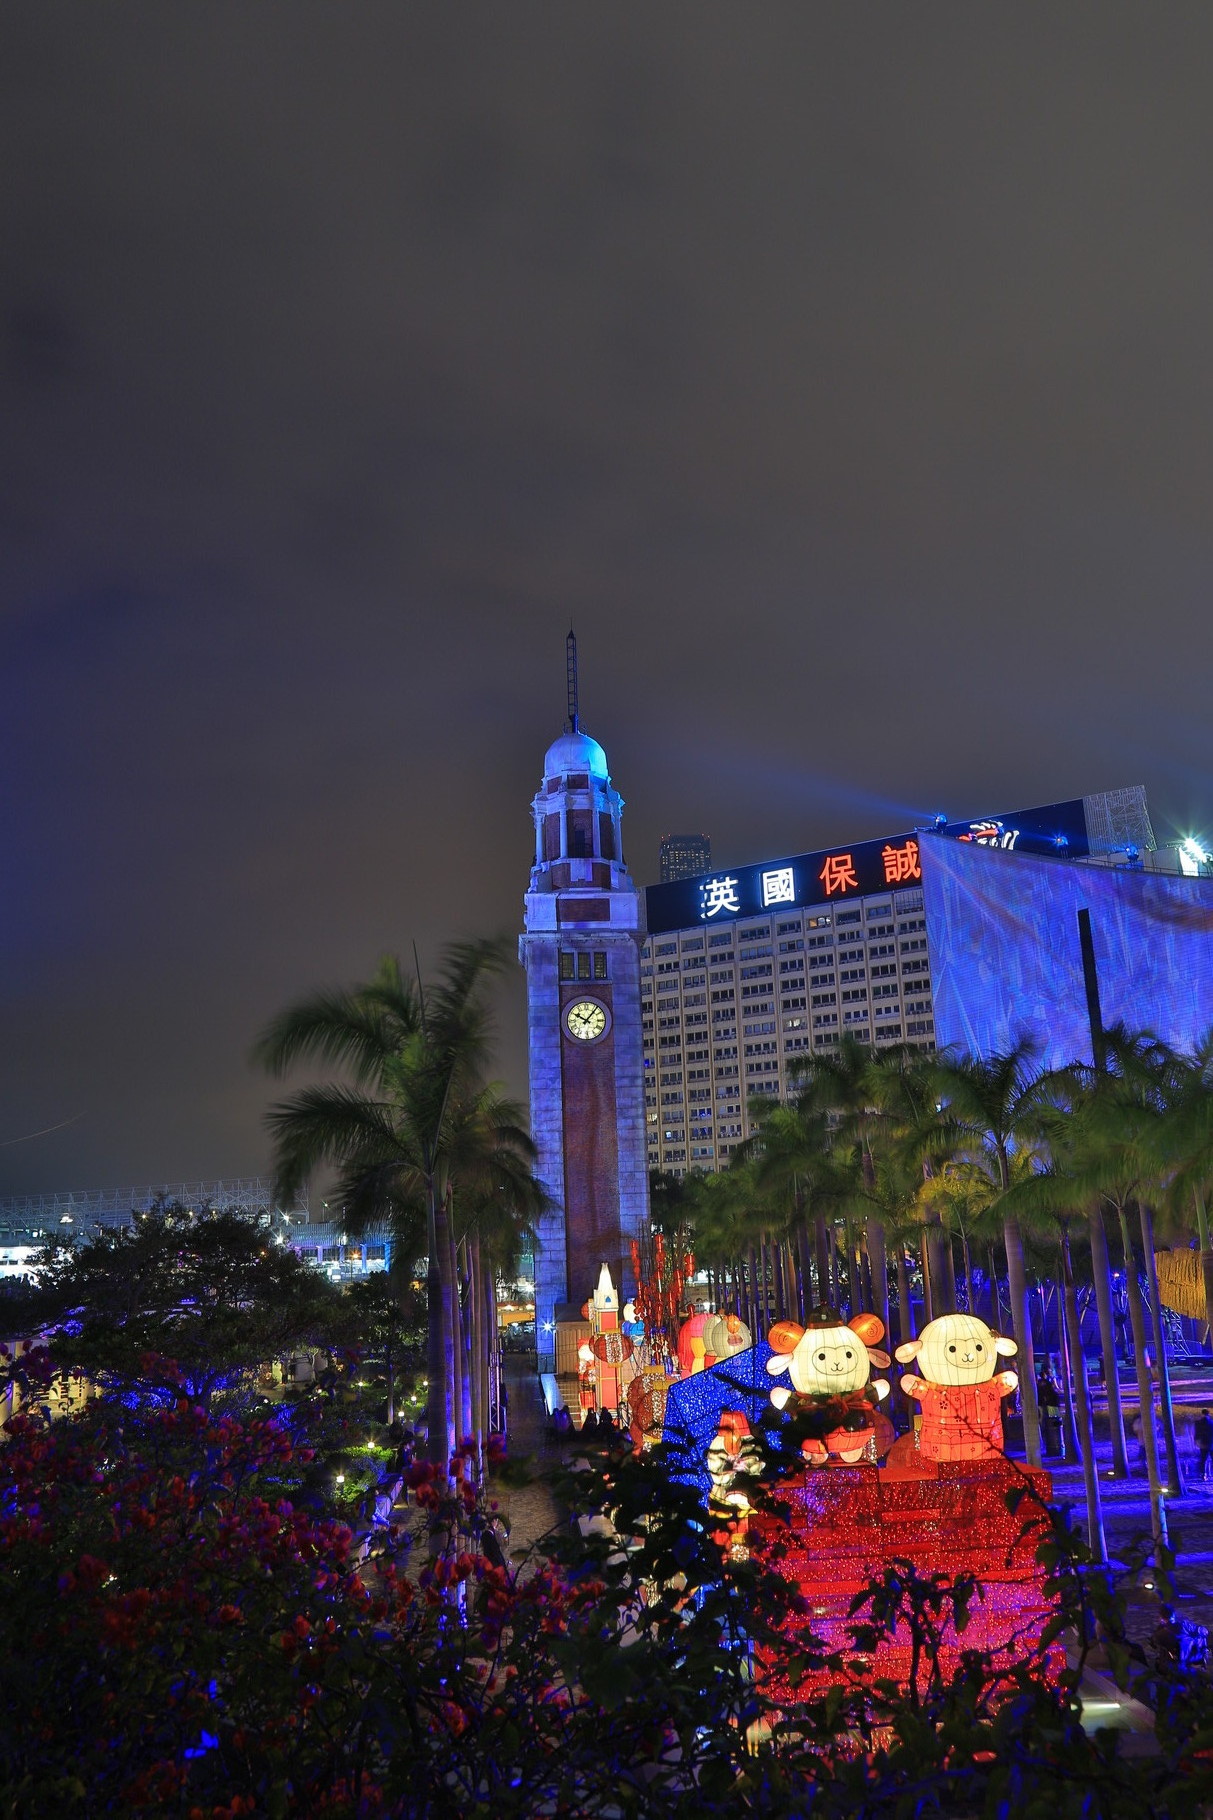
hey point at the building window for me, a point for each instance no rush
(600, 966)
(583, 966)
(566, 966)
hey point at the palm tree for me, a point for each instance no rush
(994, 1103)
(409, 1125)
(1053, 1191)
(1127, 1102)
(718, 1209)
(793, 1169)
(844, 1086)
(1064, 1129)
(495, 1201)
(923, 1138)
(1186, 1155)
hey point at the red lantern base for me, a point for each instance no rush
(848, 1525)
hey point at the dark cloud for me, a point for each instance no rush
(844, 374)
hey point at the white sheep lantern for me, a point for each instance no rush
(829, 1362)
(958, 1387)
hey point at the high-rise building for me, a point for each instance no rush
(581, 950)
(685, 856)
(747, 971)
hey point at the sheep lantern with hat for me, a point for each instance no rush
(834, 1399)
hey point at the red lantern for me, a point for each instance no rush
(612, 1348)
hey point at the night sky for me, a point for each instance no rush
(844, 374)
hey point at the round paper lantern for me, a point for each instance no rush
(612, 1348)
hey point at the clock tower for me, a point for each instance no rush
(581, 950)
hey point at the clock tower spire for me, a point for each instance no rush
(584, 927)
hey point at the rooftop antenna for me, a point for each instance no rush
(570, 647)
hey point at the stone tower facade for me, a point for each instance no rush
(581, 950)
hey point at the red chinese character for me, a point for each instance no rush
(901, 862)
(838, 874)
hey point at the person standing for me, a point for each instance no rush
(1202, 1434)
(1048, 1400)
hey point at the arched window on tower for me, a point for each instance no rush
(581, 834)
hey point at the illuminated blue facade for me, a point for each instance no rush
(1006, 960)
(581, 950)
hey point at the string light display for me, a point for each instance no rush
(846, 1527)
(695, 1405)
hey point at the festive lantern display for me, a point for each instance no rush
(833, 1396)
(732, 1455)
(611, 1348)
(705, 1339)
(724, 1336)
(839, 1530)
(957, 1385)
(633, 1326)
(663, 1271)
(607, 1341)
(646, 1396)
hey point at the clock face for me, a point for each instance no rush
(586, 1020)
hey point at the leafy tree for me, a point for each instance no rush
(384, 1310)
(412, 1130)
(176, 1303)
(1111, 1132)
(179, 1636)
(795, 1171)
(1184, 1143)
(995, 1103)
(844, 1084)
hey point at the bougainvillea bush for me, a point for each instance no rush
(186, 1629)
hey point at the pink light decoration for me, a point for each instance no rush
(847, 1526)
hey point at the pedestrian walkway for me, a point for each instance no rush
(1126, 1519)
(530, 1510)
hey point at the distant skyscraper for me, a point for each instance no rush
(685, 856)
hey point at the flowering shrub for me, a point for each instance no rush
(180, 1635)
